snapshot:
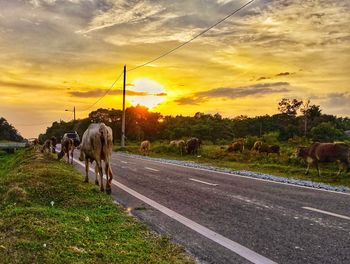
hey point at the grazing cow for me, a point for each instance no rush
(193, 145)
(145, 147)
(236, 146)
(325, 152)
(96, 145)
(179, 144)
(269, 149)
(50, 145)
(256, 146)
(67, 147)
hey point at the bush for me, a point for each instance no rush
(249, 141)
(326, 132)
(271, 138)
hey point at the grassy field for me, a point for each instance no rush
(284, 165)
(48, 215)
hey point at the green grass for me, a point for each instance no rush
(284, 165)
(48, 215)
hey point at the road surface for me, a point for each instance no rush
(221, 218)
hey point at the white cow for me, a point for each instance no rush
(96, 145)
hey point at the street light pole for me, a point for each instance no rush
(71, 111)
(74, 113)
(123, 117)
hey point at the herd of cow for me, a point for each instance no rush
(97, 144)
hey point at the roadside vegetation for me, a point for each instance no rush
(48, 215)
(285, 165)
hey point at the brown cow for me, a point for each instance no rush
(256, 146)
(325, 152)
(96, 145)
(236, 146)
(179, 144)
(193, 145)
(67, 147)
(145, 147)
(269, 149)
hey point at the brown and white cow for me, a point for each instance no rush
(96, 145)
(325, 152)
(67, 147)
(256, 146)
(178, 144)
(145, 147)
(236, 146)
(50, 145)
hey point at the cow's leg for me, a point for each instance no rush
(96, 174)
(86, 170)
(318, 169)
(109, 176)
(307, 169)
(99, 167)
(72, 155)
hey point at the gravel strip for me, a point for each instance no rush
(258, 175)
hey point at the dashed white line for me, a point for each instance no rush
(207, 183)
(327, 213)
(122, 161)
(151, 169)
(242, 251)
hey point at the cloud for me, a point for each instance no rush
(256, 90)
(101, 92)
(284, 74)
(28, 85)
(263, 78)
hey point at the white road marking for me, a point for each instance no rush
(208, 183)
(327, 213)
(240, 176)
(122, 161)
(244, 252)
(148, 168)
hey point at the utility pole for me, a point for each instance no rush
(123, 117)
(74, 113)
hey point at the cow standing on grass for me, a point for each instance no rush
(179, 144)
(67, 147)
(326, 152)
(96, 145)
(236, 146)
(145, 147)
(50, 145)
(193, 145)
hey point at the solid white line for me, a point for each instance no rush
(327, 213)
(208, 183)
(236, 175)
(221, 240)
(148, 168)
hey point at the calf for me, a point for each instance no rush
(256, 146)
(325, 152)
(67, 147)
(96, 145)
(145, 147)
(269, 149)
(236, 146)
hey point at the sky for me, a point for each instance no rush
(57, 54)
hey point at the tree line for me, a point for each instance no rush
(295, 119)
(8, 132)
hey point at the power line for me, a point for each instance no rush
(193, 38)
(38, 124)
(110, 88)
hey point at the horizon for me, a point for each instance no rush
(57, 55)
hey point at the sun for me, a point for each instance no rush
(146, 92)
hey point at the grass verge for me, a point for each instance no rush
(283, 165)
(48, 215)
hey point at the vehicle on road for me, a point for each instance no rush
(74, 136)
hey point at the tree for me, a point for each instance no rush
(310, 112)
(289, 107)
(326, 132)
(8, 132)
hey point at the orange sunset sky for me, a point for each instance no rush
(57, 54)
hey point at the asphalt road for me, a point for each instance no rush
(222, 218)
